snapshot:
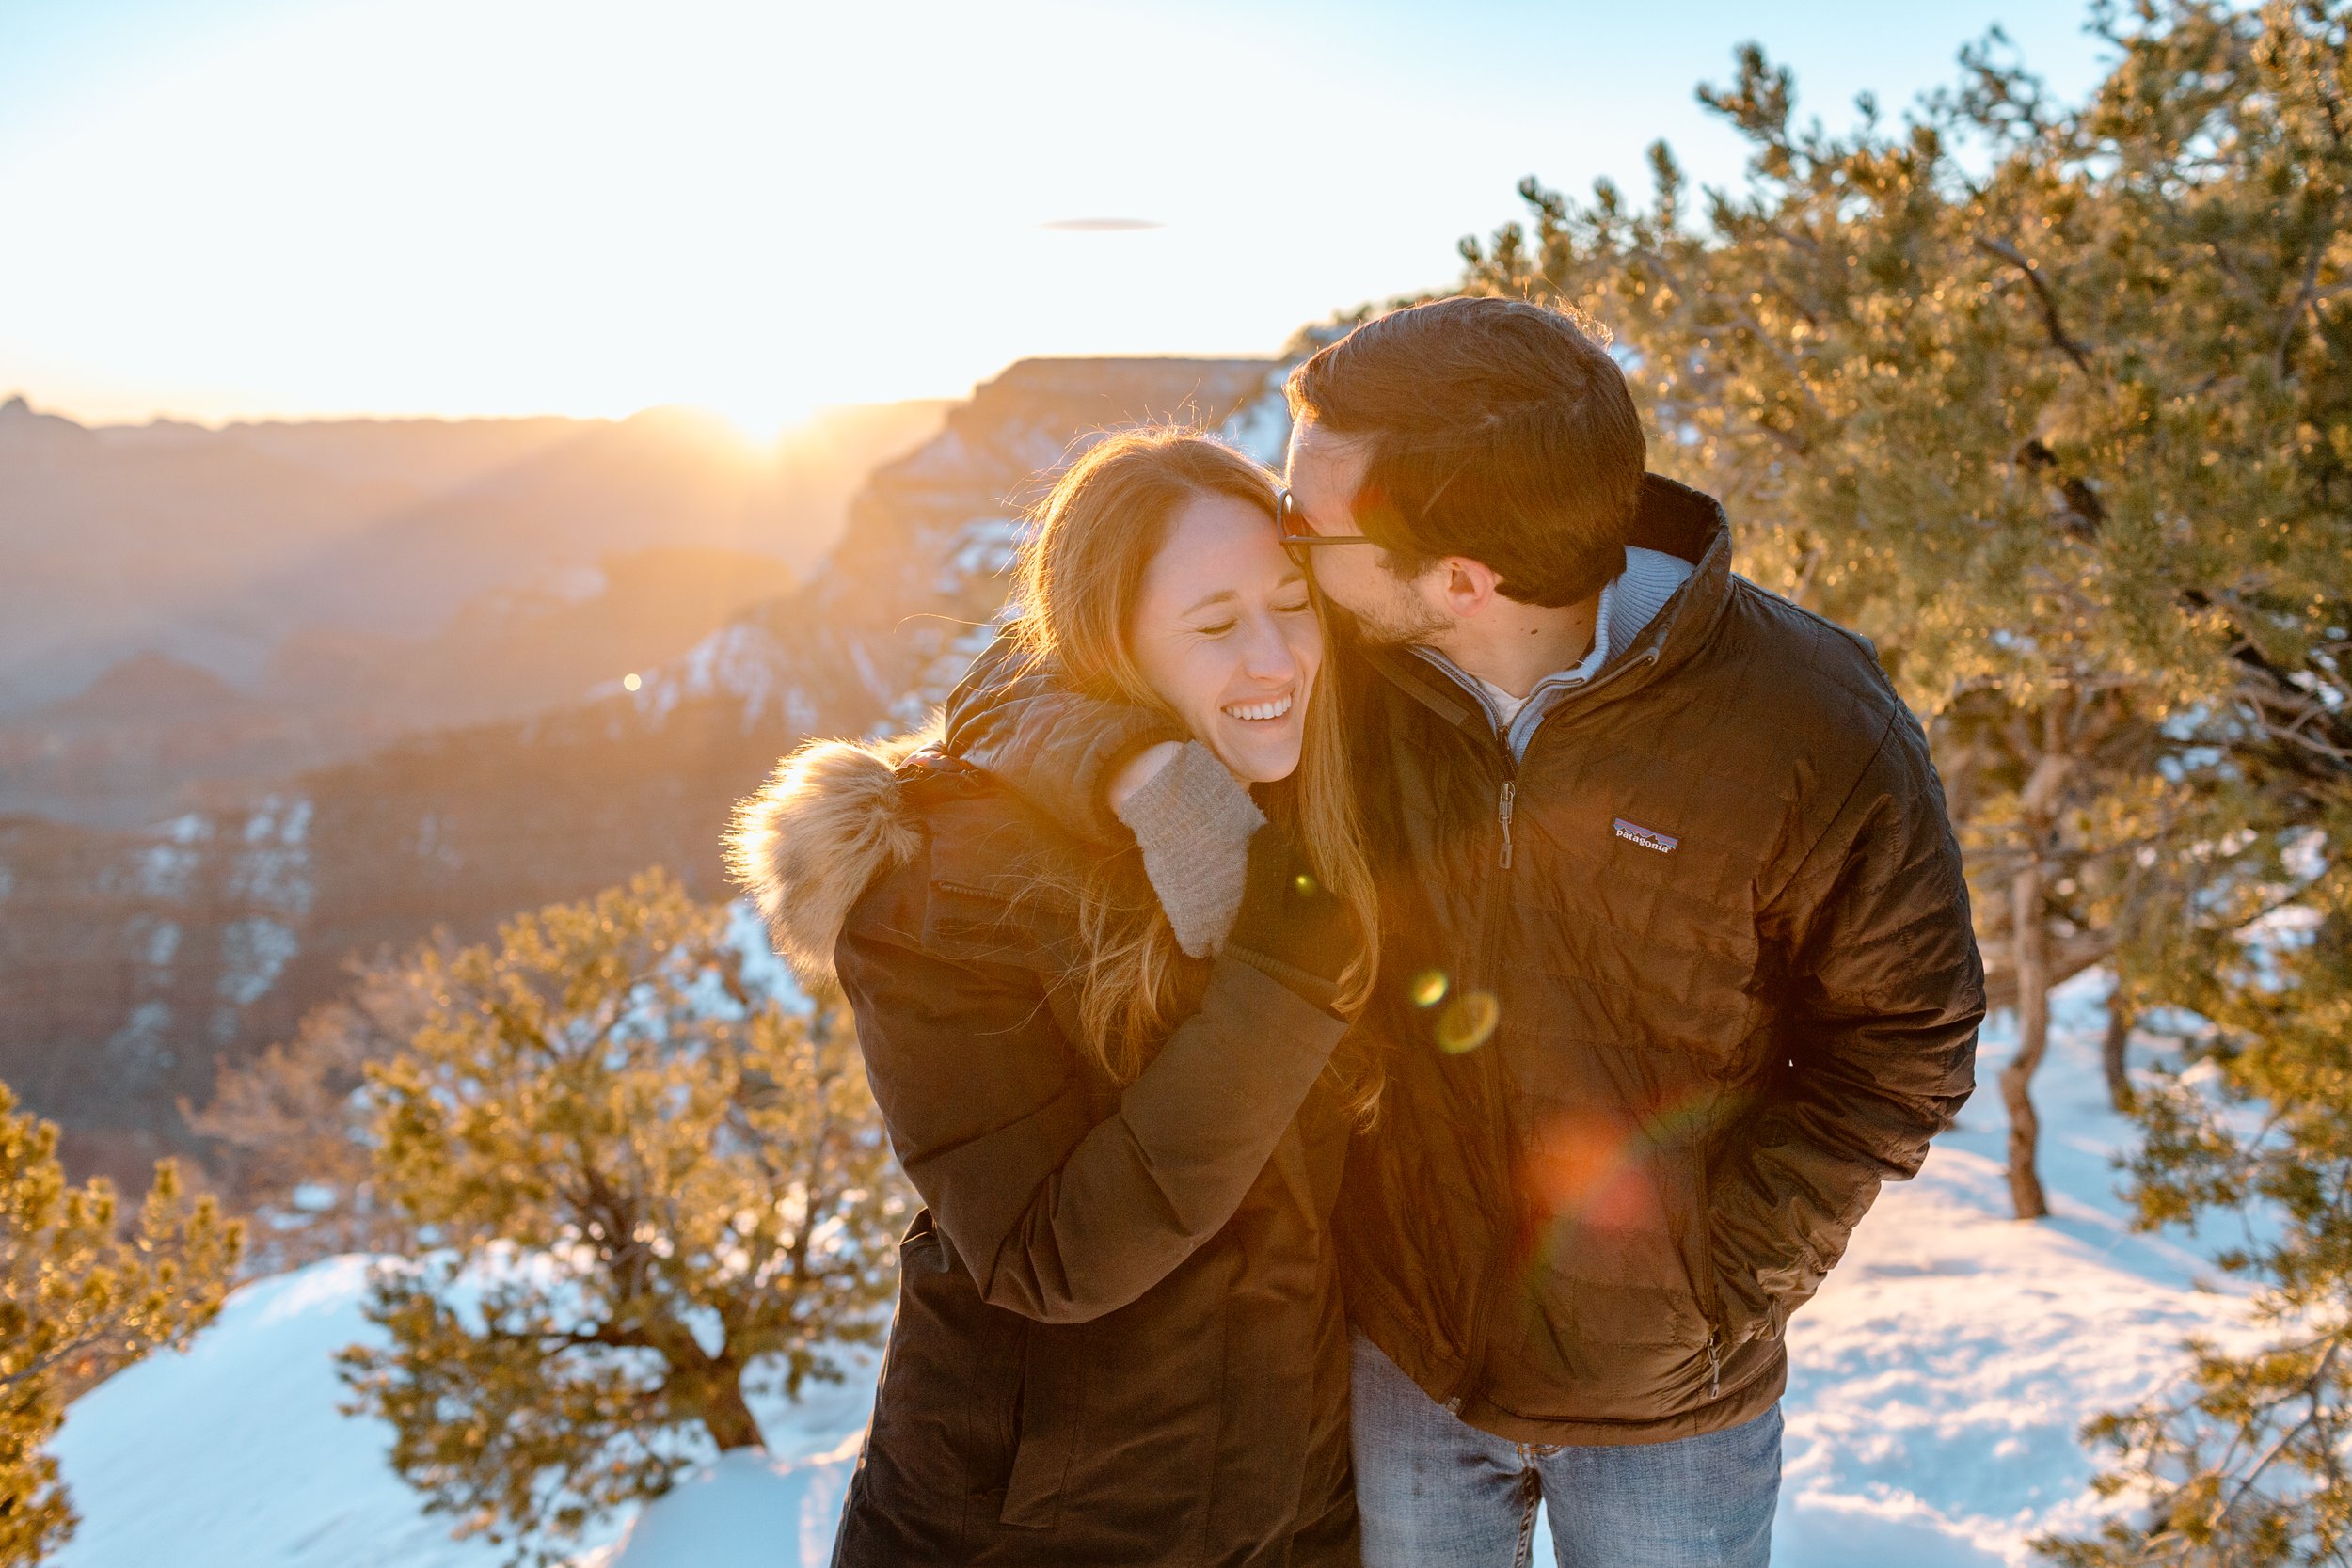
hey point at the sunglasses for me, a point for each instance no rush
(1290, 525)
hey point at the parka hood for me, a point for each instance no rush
(814, 837)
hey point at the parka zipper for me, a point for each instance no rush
(1503, 809)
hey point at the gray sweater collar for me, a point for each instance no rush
(1629, 603)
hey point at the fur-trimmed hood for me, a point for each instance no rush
(807, 844)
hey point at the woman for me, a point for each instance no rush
(1110, 1070)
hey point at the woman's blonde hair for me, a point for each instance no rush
(1080, 572)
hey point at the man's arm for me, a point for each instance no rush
(1885, 991)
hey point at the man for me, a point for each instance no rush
(1676, 959)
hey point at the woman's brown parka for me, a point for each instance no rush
(1118, 1337)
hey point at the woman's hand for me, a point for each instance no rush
(1193, 820)
(1138, 770)
(1290, 924)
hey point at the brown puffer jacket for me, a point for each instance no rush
(1665, 1003)
(1118, 1337)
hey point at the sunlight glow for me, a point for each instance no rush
(445, 205)
(761, 207)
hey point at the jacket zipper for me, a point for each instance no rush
(1710, 1298)
(1474, 1363)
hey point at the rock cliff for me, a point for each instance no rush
(130, 962)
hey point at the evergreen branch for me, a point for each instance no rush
(2306, 298)
(1756, 329)
(606, 1338)
(2308, 1389)
(2059, 337)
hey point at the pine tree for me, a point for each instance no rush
(291, 1128)
(2248, 1462)
(2055, 403)
(2051, 402)
(639, 1191)
(79, 1301)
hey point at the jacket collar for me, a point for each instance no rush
(1671, 517)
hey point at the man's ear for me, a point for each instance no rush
(1466, 586)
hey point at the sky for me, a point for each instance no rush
(215, 209)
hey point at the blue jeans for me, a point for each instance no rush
(1434, 1492)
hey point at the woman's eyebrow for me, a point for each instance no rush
(1212, 598)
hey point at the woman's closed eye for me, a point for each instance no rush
(1215, 628)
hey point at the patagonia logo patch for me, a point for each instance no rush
(1648, 838)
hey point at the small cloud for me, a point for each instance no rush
(1101, 226)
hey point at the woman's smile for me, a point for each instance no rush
(1260, 712)
(1225, 631)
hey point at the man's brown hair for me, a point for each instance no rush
(1497, 430)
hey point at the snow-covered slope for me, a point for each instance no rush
(1940, 1378)
(233, 1455)
(1939, 1381)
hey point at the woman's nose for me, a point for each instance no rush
(1267, 655)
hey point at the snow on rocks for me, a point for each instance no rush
(1937, 1389)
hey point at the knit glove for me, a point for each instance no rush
(1193, 820)
(1291, 926)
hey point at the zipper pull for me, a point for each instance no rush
(1503, 811)
(1714, 1366)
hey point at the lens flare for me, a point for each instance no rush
(1428, 988)
(1469, 1023)
(1588, 1169)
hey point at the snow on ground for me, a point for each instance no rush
(746, 1510)
(233, 1455)
(1938, 1384)
(1939, 1380)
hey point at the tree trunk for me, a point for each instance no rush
(724, 1414)
(2030, 937)
(2114, 1052)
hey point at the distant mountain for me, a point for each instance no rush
(149, 734)
(215, 545)
(154, 737)
(146, 688)
(518, 651)
(364, 579)
(131, 960)
(662, 478)
(110, 544)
